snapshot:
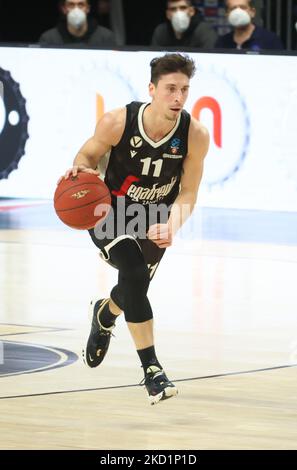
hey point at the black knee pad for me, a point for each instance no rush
(135, 283)
(130, 293)
(139, 314)
(117, 296)
(137, 275)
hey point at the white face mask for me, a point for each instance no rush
(180, 21)
(239, 17)
(76, 17)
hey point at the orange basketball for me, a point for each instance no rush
(82, 201)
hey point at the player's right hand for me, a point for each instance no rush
(76, 169)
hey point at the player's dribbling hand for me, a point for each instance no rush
(76, 169)
(161, 235)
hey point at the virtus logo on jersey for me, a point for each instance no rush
(136, 141)
(222, 108)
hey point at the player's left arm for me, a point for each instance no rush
(192, 173)
(198, 143)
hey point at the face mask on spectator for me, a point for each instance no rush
(76, 18)
(239, 17)
(180, 21)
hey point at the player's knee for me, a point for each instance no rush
(137, 310)
(118, 297)
(138, 276)
(138, 316)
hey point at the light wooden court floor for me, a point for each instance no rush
(225, 315)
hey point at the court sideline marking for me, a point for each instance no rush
(227, 374)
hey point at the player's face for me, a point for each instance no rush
(170, 94)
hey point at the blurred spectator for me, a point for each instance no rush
(110, 13)
(184, 27)
(245, 34)
(77, 28)
(102, 8)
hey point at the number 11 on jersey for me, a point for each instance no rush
(147, 162)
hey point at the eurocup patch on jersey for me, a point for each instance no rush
(174, 145)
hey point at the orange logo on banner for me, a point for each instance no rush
(212, 104)
(99, 106)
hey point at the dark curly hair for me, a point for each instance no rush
(171, 63)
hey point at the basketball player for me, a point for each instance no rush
(156, 157)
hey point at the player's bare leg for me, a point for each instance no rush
(142, 334)
(114, 308)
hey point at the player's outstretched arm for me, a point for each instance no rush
(108, 133)
(162, 234)
(192, 173)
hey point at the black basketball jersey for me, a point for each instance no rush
(145, 171)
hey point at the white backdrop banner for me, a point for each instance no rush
(50, 100)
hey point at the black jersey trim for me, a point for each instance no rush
(187, 123)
